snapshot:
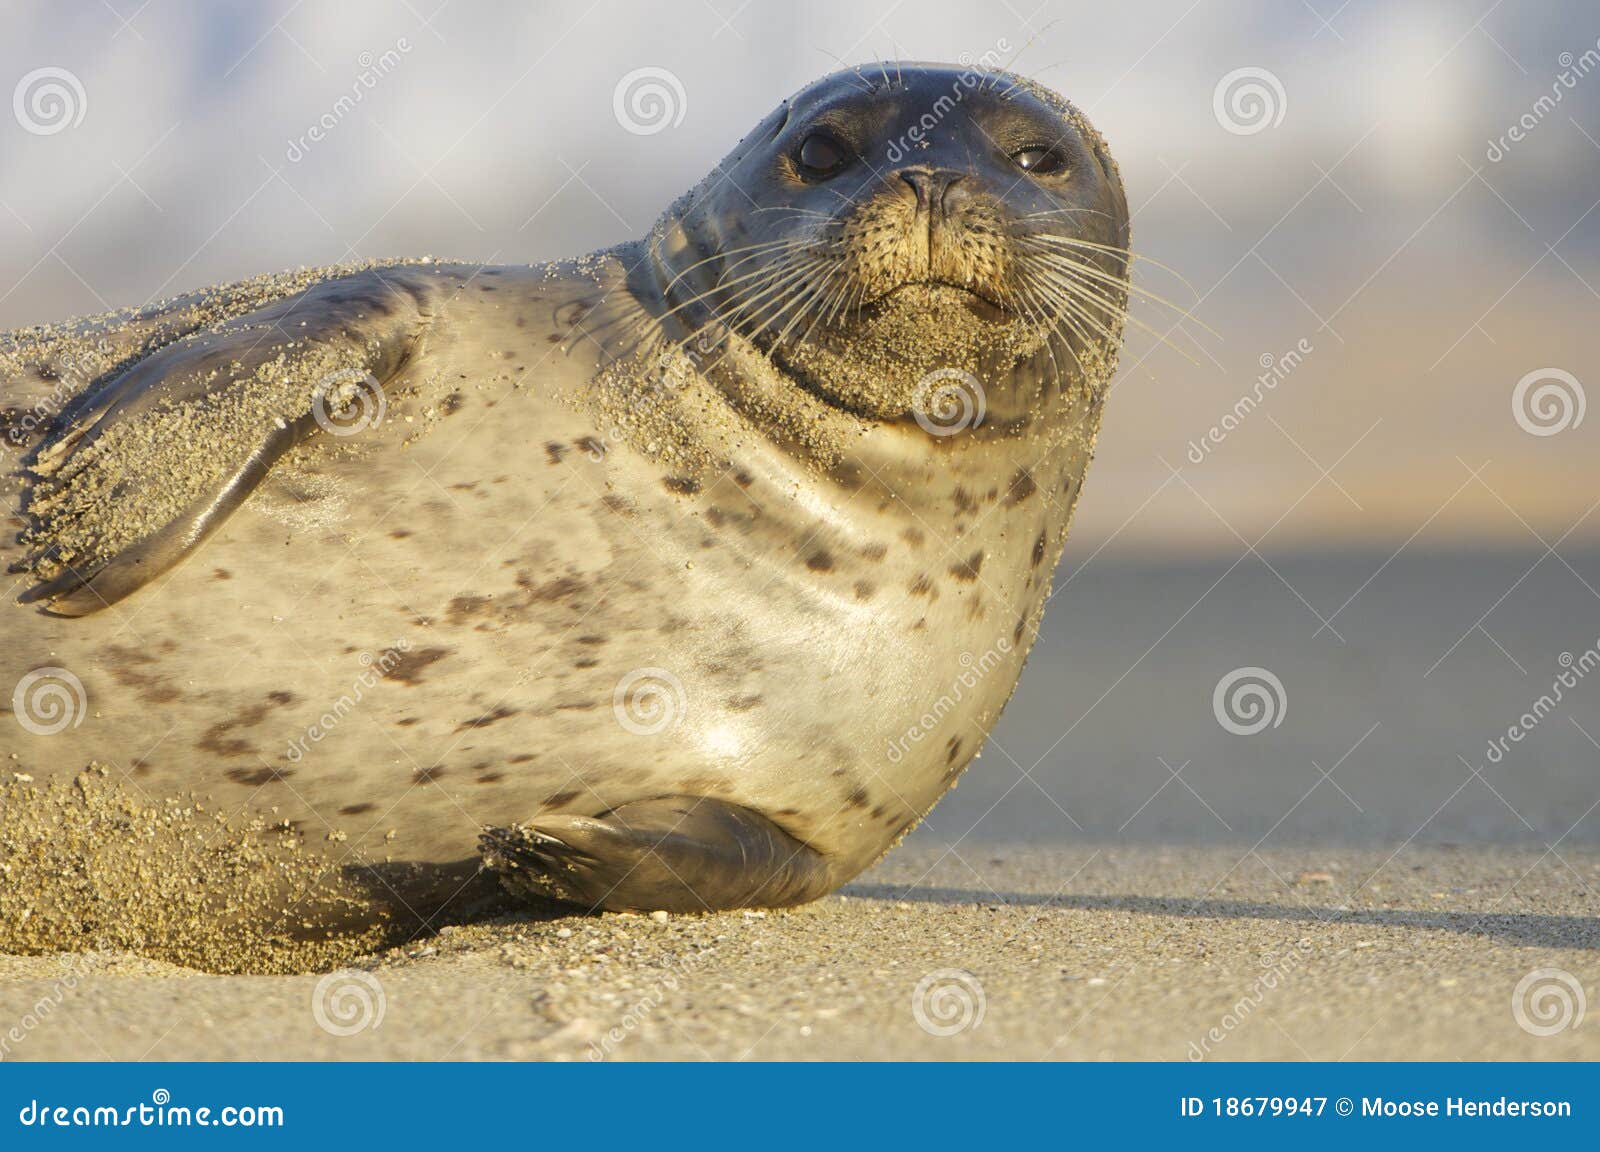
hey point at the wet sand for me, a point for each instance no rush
(1070, 953)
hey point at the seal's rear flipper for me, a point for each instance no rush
(677, 853)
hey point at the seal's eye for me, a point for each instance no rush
(1039, 161)
(821, 155)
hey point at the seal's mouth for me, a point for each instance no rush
(981, 304)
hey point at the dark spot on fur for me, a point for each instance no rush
(1016, 633)
(1038, 549)
(914, 537)
(523, 758)
(552, 590)
(593, 445)
(968, 570)
(619, 504)
(554, 450)
(553, 338)
(682, 485)
(487, 718)
(411, 666)
(923, 586)
(864, 590)
(465, 607)
(742, 478)
(561, 799)
(221, 574)
(409, 721)
(875, 551)
(743, 703)
(963, 500)
(453, 403)
(857, 797)
(952, 750)
(400, 534)
(1022, 486)
(131, 667)
(259, 777)
(580, 706)
(820, 561)
(491, 778)
(586, 662)
(428, 775)
(356, 809)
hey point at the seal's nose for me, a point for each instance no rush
(930, 185)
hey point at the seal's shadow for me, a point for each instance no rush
(1517, 928)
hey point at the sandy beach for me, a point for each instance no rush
(1066, 953)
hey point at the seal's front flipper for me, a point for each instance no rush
(139, 470)
(677, 853)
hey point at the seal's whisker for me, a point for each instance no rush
(1038, 316)
(1081, 291)
(765, 246)
(1068, 296)
(1133, 259)
(723, 285)
(796, 303)
(791, 272)
(1117, 283)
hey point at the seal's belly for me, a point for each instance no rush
(514, 615)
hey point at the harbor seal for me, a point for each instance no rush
(686, 575)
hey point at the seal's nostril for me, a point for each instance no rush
(930, 187)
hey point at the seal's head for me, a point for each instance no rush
(922, 218)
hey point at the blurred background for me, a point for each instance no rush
(1364, 507)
